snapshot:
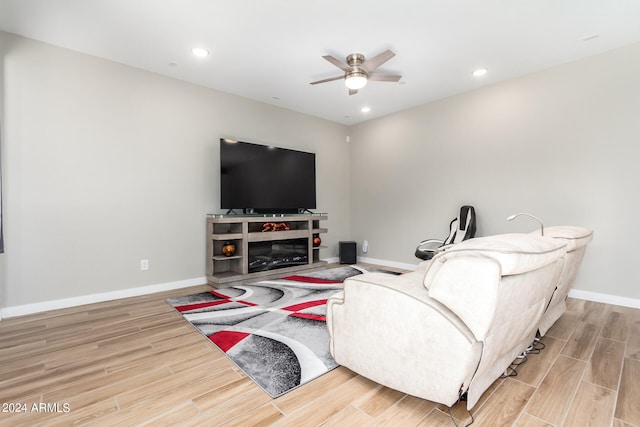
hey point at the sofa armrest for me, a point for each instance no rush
(388, 329)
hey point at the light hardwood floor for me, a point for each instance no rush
(137, 362)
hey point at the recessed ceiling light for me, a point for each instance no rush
(590, 37)
(479, 72)
(365, 109)
(200, 52)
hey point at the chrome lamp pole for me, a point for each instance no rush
(512, 217)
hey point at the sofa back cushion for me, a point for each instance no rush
(516, 253)
(468, 277)
(575, 237)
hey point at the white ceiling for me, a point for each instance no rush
(269, 50)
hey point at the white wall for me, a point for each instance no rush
(106, 165)
(562, 144)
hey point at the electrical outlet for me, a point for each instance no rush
(144, 264)
(365, 246)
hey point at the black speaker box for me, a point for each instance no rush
(347, 252)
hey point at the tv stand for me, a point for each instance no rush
(246, 233)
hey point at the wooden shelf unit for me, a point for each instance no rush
(241, 230)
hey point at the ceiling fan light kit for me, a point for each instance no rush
(357, 71)
(355, 80)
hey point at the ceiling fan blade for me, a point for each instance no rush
(380, 77)
(344, 67)
(353, 91)
(330, 79)
(373, 63)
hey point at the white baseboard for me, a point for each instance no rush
(21, 310)
(605, 298)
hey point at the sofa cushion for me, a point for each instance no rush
(574, 237)
(516, 253)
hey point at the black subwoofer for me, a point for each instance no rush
(347, 252)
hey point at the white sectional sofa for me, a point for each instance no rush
(452, 327)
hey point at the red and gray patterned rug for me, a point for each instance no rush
(274, 330)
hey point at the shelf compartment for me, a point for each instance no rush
(228, 266)
(257, 227)
(226, 228)
(219, 243)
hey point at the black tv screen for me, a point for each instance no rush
(266, 179)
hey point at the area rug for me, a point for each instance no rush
(274, 330)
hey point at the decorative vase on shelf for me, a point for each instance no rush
(228, 249)
(316, 241)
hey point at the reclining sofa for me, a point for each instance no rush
(448, 330)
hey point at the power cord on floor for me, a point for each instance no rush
(535, 348)
(512, 369)
(453, 420)
(537, 345)
(462, 397)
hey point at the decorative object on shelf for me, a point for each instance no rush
(228, 249)
(272, 226)
(316, 240)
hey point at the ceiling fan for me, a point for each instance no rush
(357, 71)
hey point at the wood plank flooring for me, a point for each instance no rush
(135, 361)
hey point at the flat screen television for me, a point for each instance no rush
(263, 179)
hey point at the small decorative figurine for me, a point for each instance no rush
(228, 249)
(272, 226)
